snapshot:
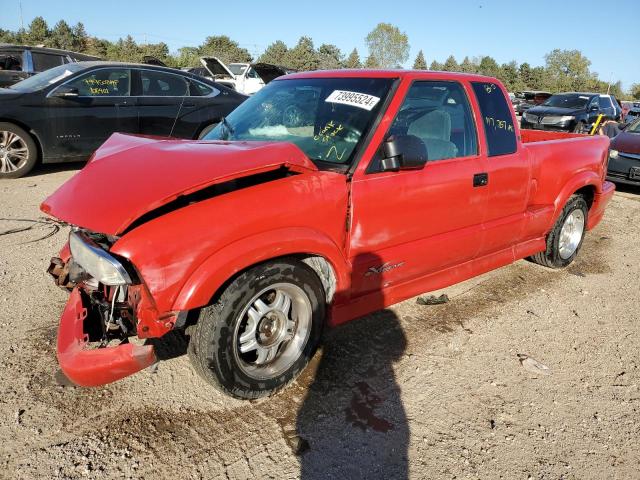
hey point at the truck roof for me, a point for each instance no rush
(390, 73)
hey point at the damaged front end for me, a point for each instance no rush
(109, 312)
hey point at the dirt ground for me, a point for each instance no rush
(413, 391)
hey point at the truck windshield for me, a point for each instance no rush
(568, 101)
(325, 117)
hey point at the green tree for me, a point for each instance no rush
(303, 56)
(488, 66)
(467, 66)
(510, 76)
(524, 71)
(227, 50)
(568, 69)
(38, 31)
(635, 91)
(80, 38)
(188, 57)
(420, 63)
(539, 80)
(276, 53)
(353, 60)
(329, 57)
(62, 36)
(7, 36)
(98, 47)
(371, 62)
(388, 45)
(451, 65)
(436, 66)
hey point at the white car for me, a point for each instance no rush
(245, 78)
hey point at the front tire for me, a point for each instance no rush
(565, 239)
(18, 151)
(262, 331)
(580, 127)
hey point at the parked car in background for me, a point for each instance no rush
(18, 62)
(624, 155)
(528, 99)
(65, 113)
(632, 115)
(573, 112)
(288, 218)
(246, 78)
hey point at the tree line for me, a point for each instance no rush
(388, 47)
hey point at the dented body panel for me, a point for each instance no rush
(188, 216)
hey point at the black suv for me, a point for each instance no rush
(573, 112)
(18, 62)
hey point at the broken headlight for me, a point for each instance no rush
(96, 261)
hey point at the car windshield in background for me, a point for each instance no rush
(46, 78)
(324, 117)
(567, 101)
(633, 127)
(237, 68)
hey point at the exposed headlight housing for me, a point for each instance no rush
(613, 153)
(97, 262)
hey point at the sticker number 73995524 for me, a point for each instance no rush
(355, 99)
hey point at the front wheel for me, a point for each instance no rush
(262, 331)
(565, 239)
(580, 127)
(18, 151)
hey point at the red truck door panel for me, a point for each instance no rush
(407, 224)
(508, 170)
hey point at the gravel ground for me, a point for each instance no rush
(413, 391)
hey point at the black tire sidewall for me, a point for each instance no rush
(32, 150)
(217, 324)
(207, 129)
(576, 202)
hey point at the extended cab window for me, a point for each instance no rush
(105, 82)
(438, 113)
(497, 119)
(45, 61)
(160, 84)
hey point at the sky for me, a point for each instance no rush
(505, 29)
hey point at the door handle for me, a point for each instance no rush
(481, 179)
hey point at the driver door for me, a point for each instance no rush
(100, 104)
(408, 224)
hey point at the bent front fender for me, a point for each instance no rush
(202, 285)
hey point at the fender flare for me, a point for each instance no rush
(222, 265)
(581, 180)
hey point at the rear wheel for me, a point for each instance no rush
(206, 130)
(565, 239)
(18, 151)
(262, 331)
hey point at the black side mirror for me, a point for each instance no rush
(403, 152)
(66, 91)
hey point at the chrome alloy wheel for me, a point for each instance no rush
(13, 152)
(272, 331)
(571, 234)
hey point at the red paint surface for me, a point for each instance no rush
(89, 368)
(431, 223)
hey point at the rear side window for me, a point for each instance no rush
(160, 84)
(497, 119)
(201, 90)
(45, 61)
(605, 102)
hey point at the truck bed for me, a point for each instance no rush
(531, 136)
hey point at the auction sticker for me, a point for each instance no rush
(355, 99)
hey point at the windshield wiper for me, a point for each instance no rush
(228, 129)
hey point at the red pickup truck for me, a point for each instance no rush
(323, 197)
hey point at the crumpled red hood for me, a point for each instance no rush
(131, 175)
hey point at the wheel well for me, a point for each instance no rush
(27, 129)
(588, 193)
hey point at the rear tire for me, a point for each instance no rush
(262, 331)
(206, 130)
(18, 151)
(565, 239)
